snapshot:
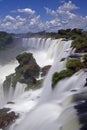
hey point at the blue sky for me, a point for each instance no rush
(38, 15)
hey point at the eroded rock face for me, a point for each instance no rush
(27, 72)
(45, 70)
(6, 117)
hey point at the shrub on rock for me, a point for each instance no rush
(74, 64)
(61, 75)
(85, 58)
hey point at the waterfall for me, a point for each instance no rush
(6, 70)
(45, 108)
(57, 66)
(46, 114)
(72, 84)
(54, 114)
(68, 119)
(19, 89)
(41, 49)
(36, 43)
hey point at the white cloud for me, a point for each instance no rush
(49, 11)
(35, 20)
(67, 18)
(54, 22)
(19, 18)
(7, 24)
(26, 10)
(67, 6)
(20, 24)
(10, 23)
(9, 18)
(62, 17)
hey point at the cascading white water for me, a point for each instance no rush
(69, 84)
(36, 43)
(39, 47)
(61, 52)
(42, 49)
(45, 115)
(68, 119)
(19, 89)
(6, 70)
(53, 106)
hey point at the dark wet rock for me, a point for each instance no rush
(81, 50)
(7, 117)
(85, 85)
(10, 102)
(37, 85)
(62, 59)
(45, 70)
(65, 39)
(73, 90)
(75, 56)
(82, 114)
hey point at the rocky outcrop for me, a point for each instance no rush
(6, 117)
(27, 72)
(27, 65)
(45, 70)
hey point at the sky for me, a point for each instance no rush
(20, 16)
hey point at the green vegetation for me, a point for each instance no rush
(27, 65)
(80, 43)
(61, 75)
(25, 58)
(68, 33)
(72, 66)
(5, 39)
(62, 59)
(85, 58)
(78, 36)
